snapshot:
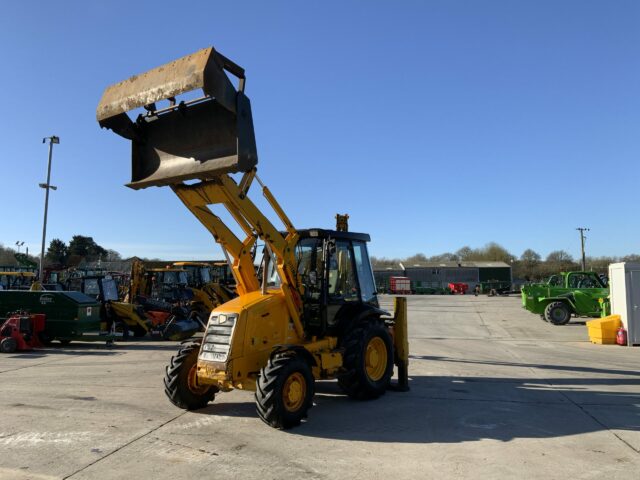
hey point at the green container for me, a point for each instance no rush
(70, 315)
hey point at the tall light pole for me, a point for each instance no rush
(19, 244)
(582, 237)
(47, 186)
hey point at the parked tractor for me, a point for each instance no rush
(314, 313)
(569, 293)
(16, 280)
(207, 283)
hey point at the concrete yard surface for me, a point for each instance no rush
(495, 393)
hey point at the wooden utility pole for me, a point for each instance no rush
(582, 237)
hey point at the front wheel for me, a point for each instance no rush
(181, 380)
(368, 361)
(284, 391)
(8, 345)
(557, 313)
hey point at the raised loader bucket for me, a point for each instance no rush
(182, 140)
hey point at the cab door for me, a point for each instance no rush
(341, 280)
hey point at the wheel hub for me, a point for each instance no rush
(376, 359)
(294, 392)
(192, 381)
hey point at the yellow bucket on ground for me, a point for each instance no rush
(604, 330)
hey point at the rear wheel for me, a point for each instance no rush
(8, 345)
(557, 313)
(368, 360)
(181, 380)
(284, 391)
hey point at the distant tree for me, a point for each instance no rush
(445, 257)
(7, 256)
(530, 257)
(559, 256)
(529, 263)
(600, 264)
(632, 258)
(86, 248)
(380, 263)
(112, 256)
(417, 258)
(558, 261)
(495, 252)
(464, 253)
(57, 252)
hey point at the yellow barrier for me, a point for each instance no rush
(603, 330)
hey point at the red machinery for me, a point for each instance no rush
(458, 288)
(21, 332)
(400, 285)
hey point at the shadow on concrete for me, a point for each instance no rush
(445, 409)
(71, 350)
(168, 346)
(565, 368)
(94, 349)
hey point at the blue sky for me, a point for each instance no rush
(434, 124)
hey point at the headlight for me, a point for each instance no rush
(227, 319)
(223, 318)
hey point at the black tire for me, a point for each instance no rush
(8, 345)
(557, 313)
(282, 377)
(180, 380)
(357, 382)
(542, 317)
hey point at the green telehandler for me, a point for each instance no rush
(582, 294)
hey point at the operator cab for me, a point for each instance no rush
(103, 289)
(198, 273)
(336, 278)
(169, 284)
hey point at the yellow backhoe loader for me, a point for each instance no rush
(314, 313)
(209, 290)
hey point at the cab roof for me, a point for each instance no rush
(323, 233)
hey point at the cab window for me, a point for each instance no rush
(365, 274)
(342, 279)
(91, 286)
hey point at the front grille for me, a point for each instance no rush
(217, 339)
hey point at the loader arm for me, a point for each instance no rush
(204, 139)
(224, 190)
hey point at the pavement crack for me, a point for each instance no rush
(139, 437)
